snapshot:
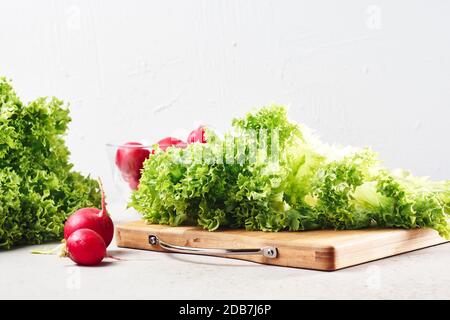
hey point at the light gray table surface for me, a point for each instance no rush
(151, 275)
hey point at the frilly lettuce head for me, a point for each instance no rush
(38, 188)
(270, 174)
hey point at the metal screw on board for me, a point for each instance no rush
(270, 252)
(152, 240)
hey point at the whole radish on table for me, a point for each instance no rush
(87, 234)
(85, 247)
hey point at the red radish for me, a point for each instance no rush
(133, 183)
(197, 135)
(91, 218)
(171, 142)
(130, 159)
(85, 247)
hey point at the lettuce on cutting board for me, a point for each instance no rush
(292, 181)
(38, 188)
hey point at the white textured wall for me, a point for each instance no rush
(361, 72)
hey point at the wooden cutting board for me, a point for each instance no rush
(321, 250)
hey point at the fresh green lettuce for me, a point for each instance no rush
(270, 174)
(38, 188)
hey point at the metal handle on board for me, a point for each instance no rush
(268, 252)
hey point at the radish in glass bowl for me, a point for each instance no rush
(127, 160)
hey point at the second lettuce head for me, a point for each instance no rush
(270, 174)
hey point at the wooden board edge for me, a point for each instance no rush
(348, 258)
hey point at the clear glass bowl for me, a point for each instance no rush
(126, 162)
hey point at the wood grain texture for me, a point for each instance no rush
(321, 250)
